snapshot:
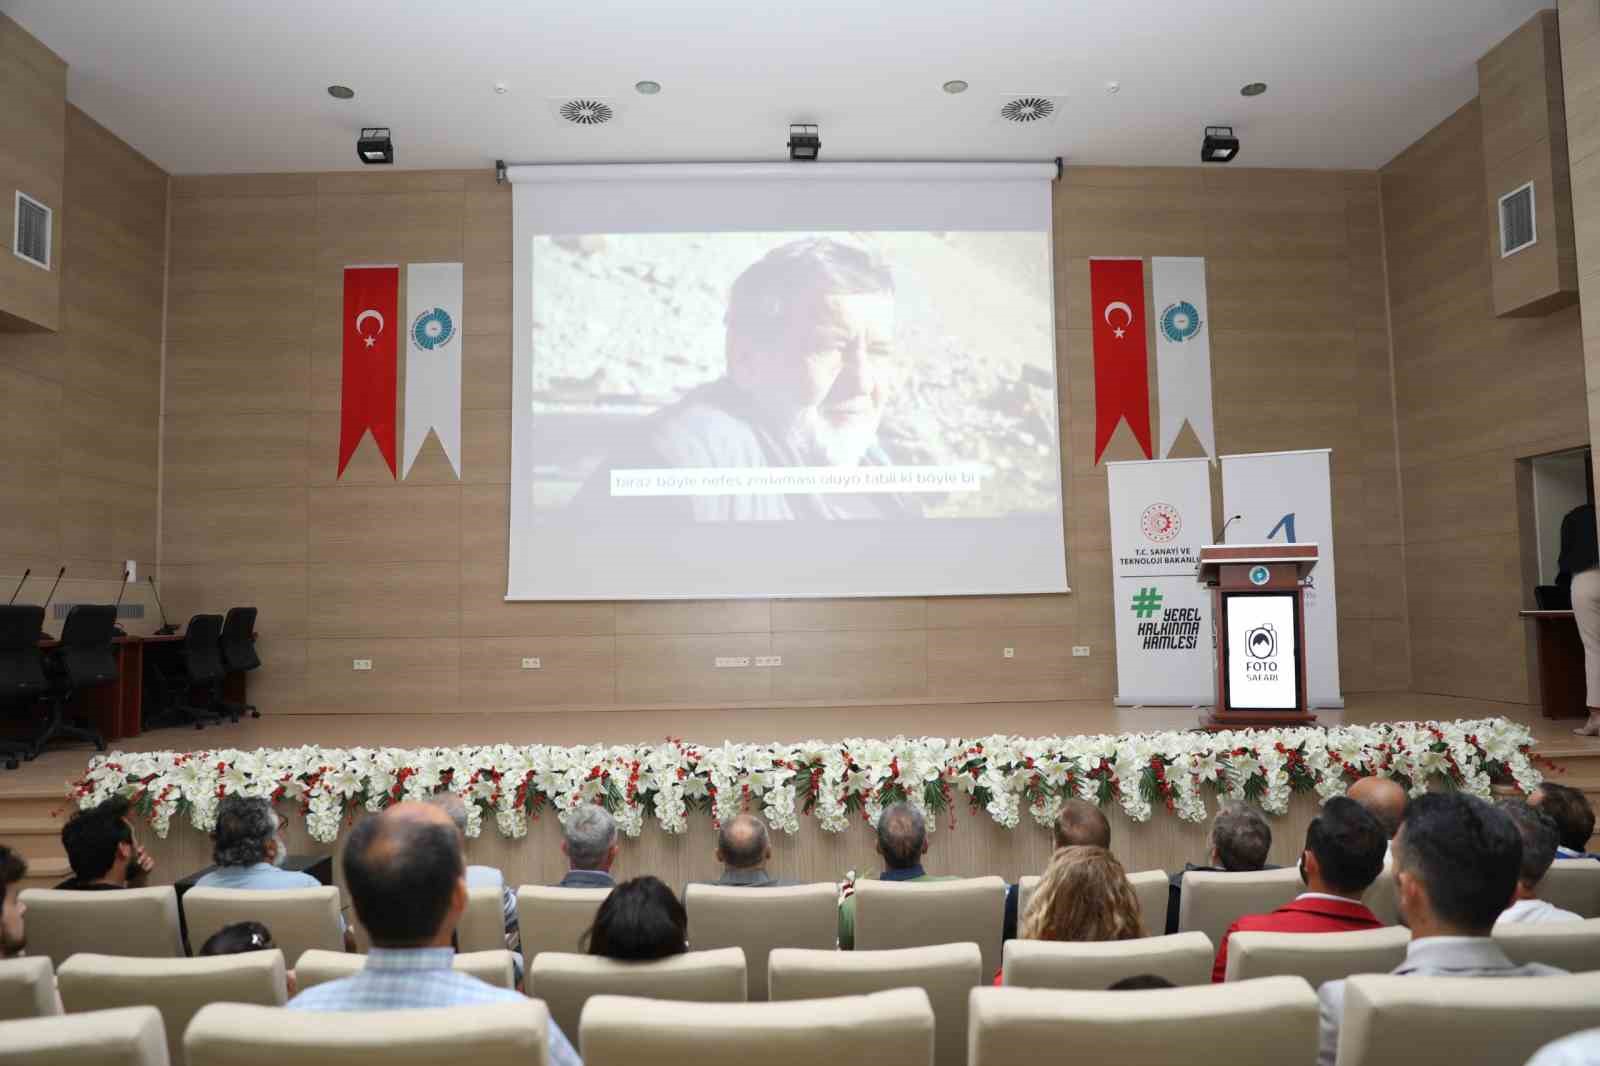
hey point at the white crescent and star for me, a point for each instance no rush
(1118, 331)
(362, 317)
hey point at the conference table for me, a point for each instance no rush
(1560, 671)
(117, 710)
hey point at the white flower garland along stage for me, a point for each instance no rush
(832, 781)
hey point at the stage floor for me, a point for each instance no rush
(712, 726)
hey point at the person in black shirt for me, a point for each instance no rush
(102, 849)
(1580, 570)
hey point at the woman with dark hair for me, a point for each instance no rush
(641, 919)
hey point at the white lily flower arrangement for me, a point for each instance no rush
(833, 782)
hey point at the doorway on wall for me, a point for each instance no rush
(1549, 487)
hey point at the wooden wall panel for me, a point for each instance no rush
(80, 429)
(1580, 70)
(1474, 393)
(383, 561)
(33, 139)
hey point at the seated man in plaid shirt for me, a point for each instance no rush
(407, 875)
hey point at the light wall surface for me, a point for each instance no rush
(411, 574)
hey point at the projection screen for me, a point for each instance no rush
(784, 380)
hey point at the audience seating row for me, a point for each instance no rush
(1274, 1021)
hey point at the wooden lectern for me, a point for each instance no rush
(1258, 622)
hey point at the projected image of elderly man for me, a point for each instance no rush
(810, 350)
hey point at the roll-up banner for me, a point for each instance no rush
(1286, 498)
(1160, 517)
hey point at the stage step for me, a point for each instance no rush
(32, 838)
(34, 802)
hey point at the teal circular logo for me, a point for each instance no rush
(1260, 575)
(1180, 322)
(432, 329)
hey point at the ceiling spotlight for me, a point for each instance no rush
(1220, 145)
(501, 88)
(1113, 88)
(804, 143)
(955, 85)
(1255, 88)
(341, 92)
(374, 147)
(647, 88)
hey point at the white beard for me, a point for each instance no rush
(822, 444)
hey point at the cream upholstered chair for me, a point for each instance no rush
(1213, 901)
(566, 981)
(1570, 946)
(947, 973)
(1573, 885)
(554, 919)
(1272, 1022)
(1388, 1018)
(884, 1029)
(299, 918)
(761, 919)
(483, 923)
(1317, 957)
(27, 989)
(1381, 899)
(915, 914)
(316, 967)
(178, 988)
(1183, 959)
(1151, 886)
(132, 1036)
(130, 921)
(498, 1034)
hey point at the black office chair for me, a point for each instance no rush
(198, 667)
(239, 653)
(85, 660)
(22, 680)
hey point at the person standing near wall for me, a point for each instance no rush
(1580, 568)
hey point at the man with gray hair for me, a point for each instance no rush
(248, 849)
(902, 841)
(483, 876)
(1539, 840)
(589, 841)
(1240, 839)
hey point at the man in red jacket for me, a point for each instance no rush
(1343, 856)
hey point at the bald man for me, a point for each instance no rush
(1386, 800)
(744, 848)
(406, 871)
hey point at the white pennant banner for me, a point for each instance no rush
(433, 360)
(1183, 351)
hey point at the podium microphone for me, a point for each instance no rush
(167, 628)
(1223, 536)
(59, 574)
(116, 608)
(18, 589)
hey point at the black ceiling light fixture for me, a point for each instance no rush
(804, 143)
(374, 147)
(341, 92)
(1220, 145)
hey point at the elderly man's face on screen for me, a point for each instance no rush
(826, 372)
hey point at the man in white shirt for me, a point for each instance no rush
(1456, 863)
(1538, 832)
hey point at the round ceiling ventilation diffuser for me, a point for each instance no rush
(587, 112)
(1028, 109)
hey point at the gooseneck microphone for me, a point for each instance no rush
(1223, 536)
(167, 628)
(118, 605)
(59, 574)
(18, 589)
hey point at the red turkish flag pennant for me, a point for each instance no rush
(370, 328)
(1121, 354)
